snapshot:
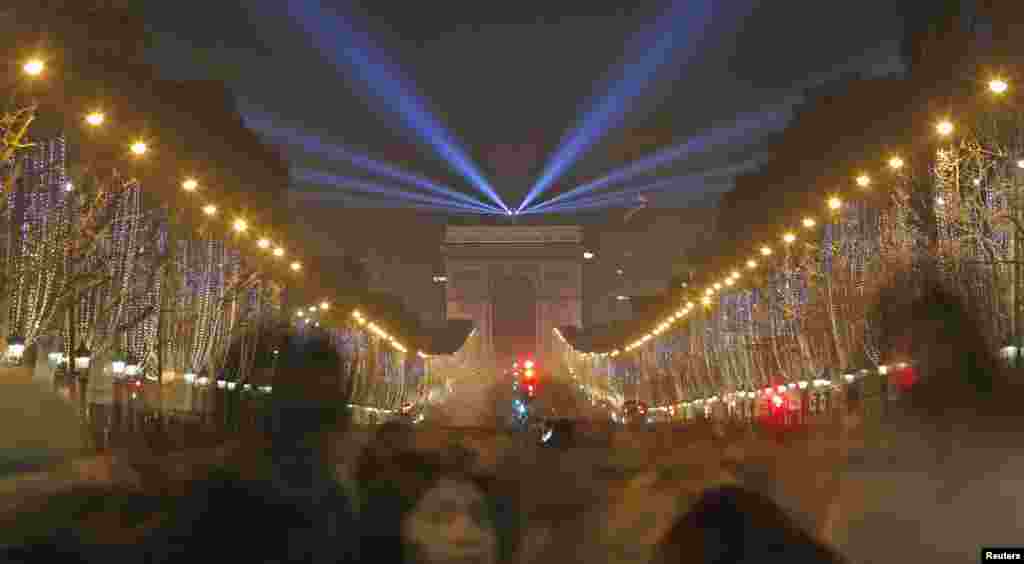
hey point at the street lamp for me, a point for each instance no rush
(15, 349)
(1011, 351)
(117, 366)
(56, 358)
(95, 118)
(83, 357)
(132, 367)
(587, 255)
(998, 86)
(34, 67)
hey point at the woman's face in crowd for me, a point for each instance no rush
(450, 524)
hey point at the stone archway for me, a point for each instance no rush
(515, 318)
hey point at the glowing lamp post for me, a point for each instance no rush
(118, 366)
(1011, 351)
(33, 67)
(15, 349)
(83, 358)
(95, 119)
(56, 358)
(132, 368)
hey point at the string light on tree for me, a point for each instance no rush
(190, 185)
(808, 222)
(895, 162)
(210, 210)
(998, 86)
(139, 148)
(278, 252)
(240, 225)
(263, 243)
(834, 203)
(863, 181)
(296, 266)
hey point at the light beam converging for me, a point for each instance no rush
(748, 129)
(315, 146)
(334, 36)
(357, 185)
(610, 109)
(369, 202)
(693, 183)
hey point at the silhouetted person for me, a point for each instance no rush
(308, 410)
(732, 525)
(87, 524)
(225, 518)
(956, 373)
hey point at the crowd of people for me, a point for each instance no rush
(402, 503)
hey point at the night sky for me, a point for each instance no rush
(508, 80)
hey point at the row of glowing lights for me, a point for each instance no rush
(362, 320)
(585, 354)
(944, 128)
(776, 393)
(140, 148)
(376, 330)
(125, 368)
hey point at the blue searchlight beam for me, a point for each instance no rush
(335, 37)
(728, 172)
(357, 185)
(610, 109)
(315, 146)
(749, 128)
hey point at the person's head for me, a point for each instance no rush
(734, 525)
(226, 517)
(88, 523)
(954, 360)
(310, 390)
(426, 507)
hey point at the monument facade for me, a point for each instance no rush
(516, 283)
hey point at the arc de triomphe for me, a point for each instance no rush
(516, 283)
